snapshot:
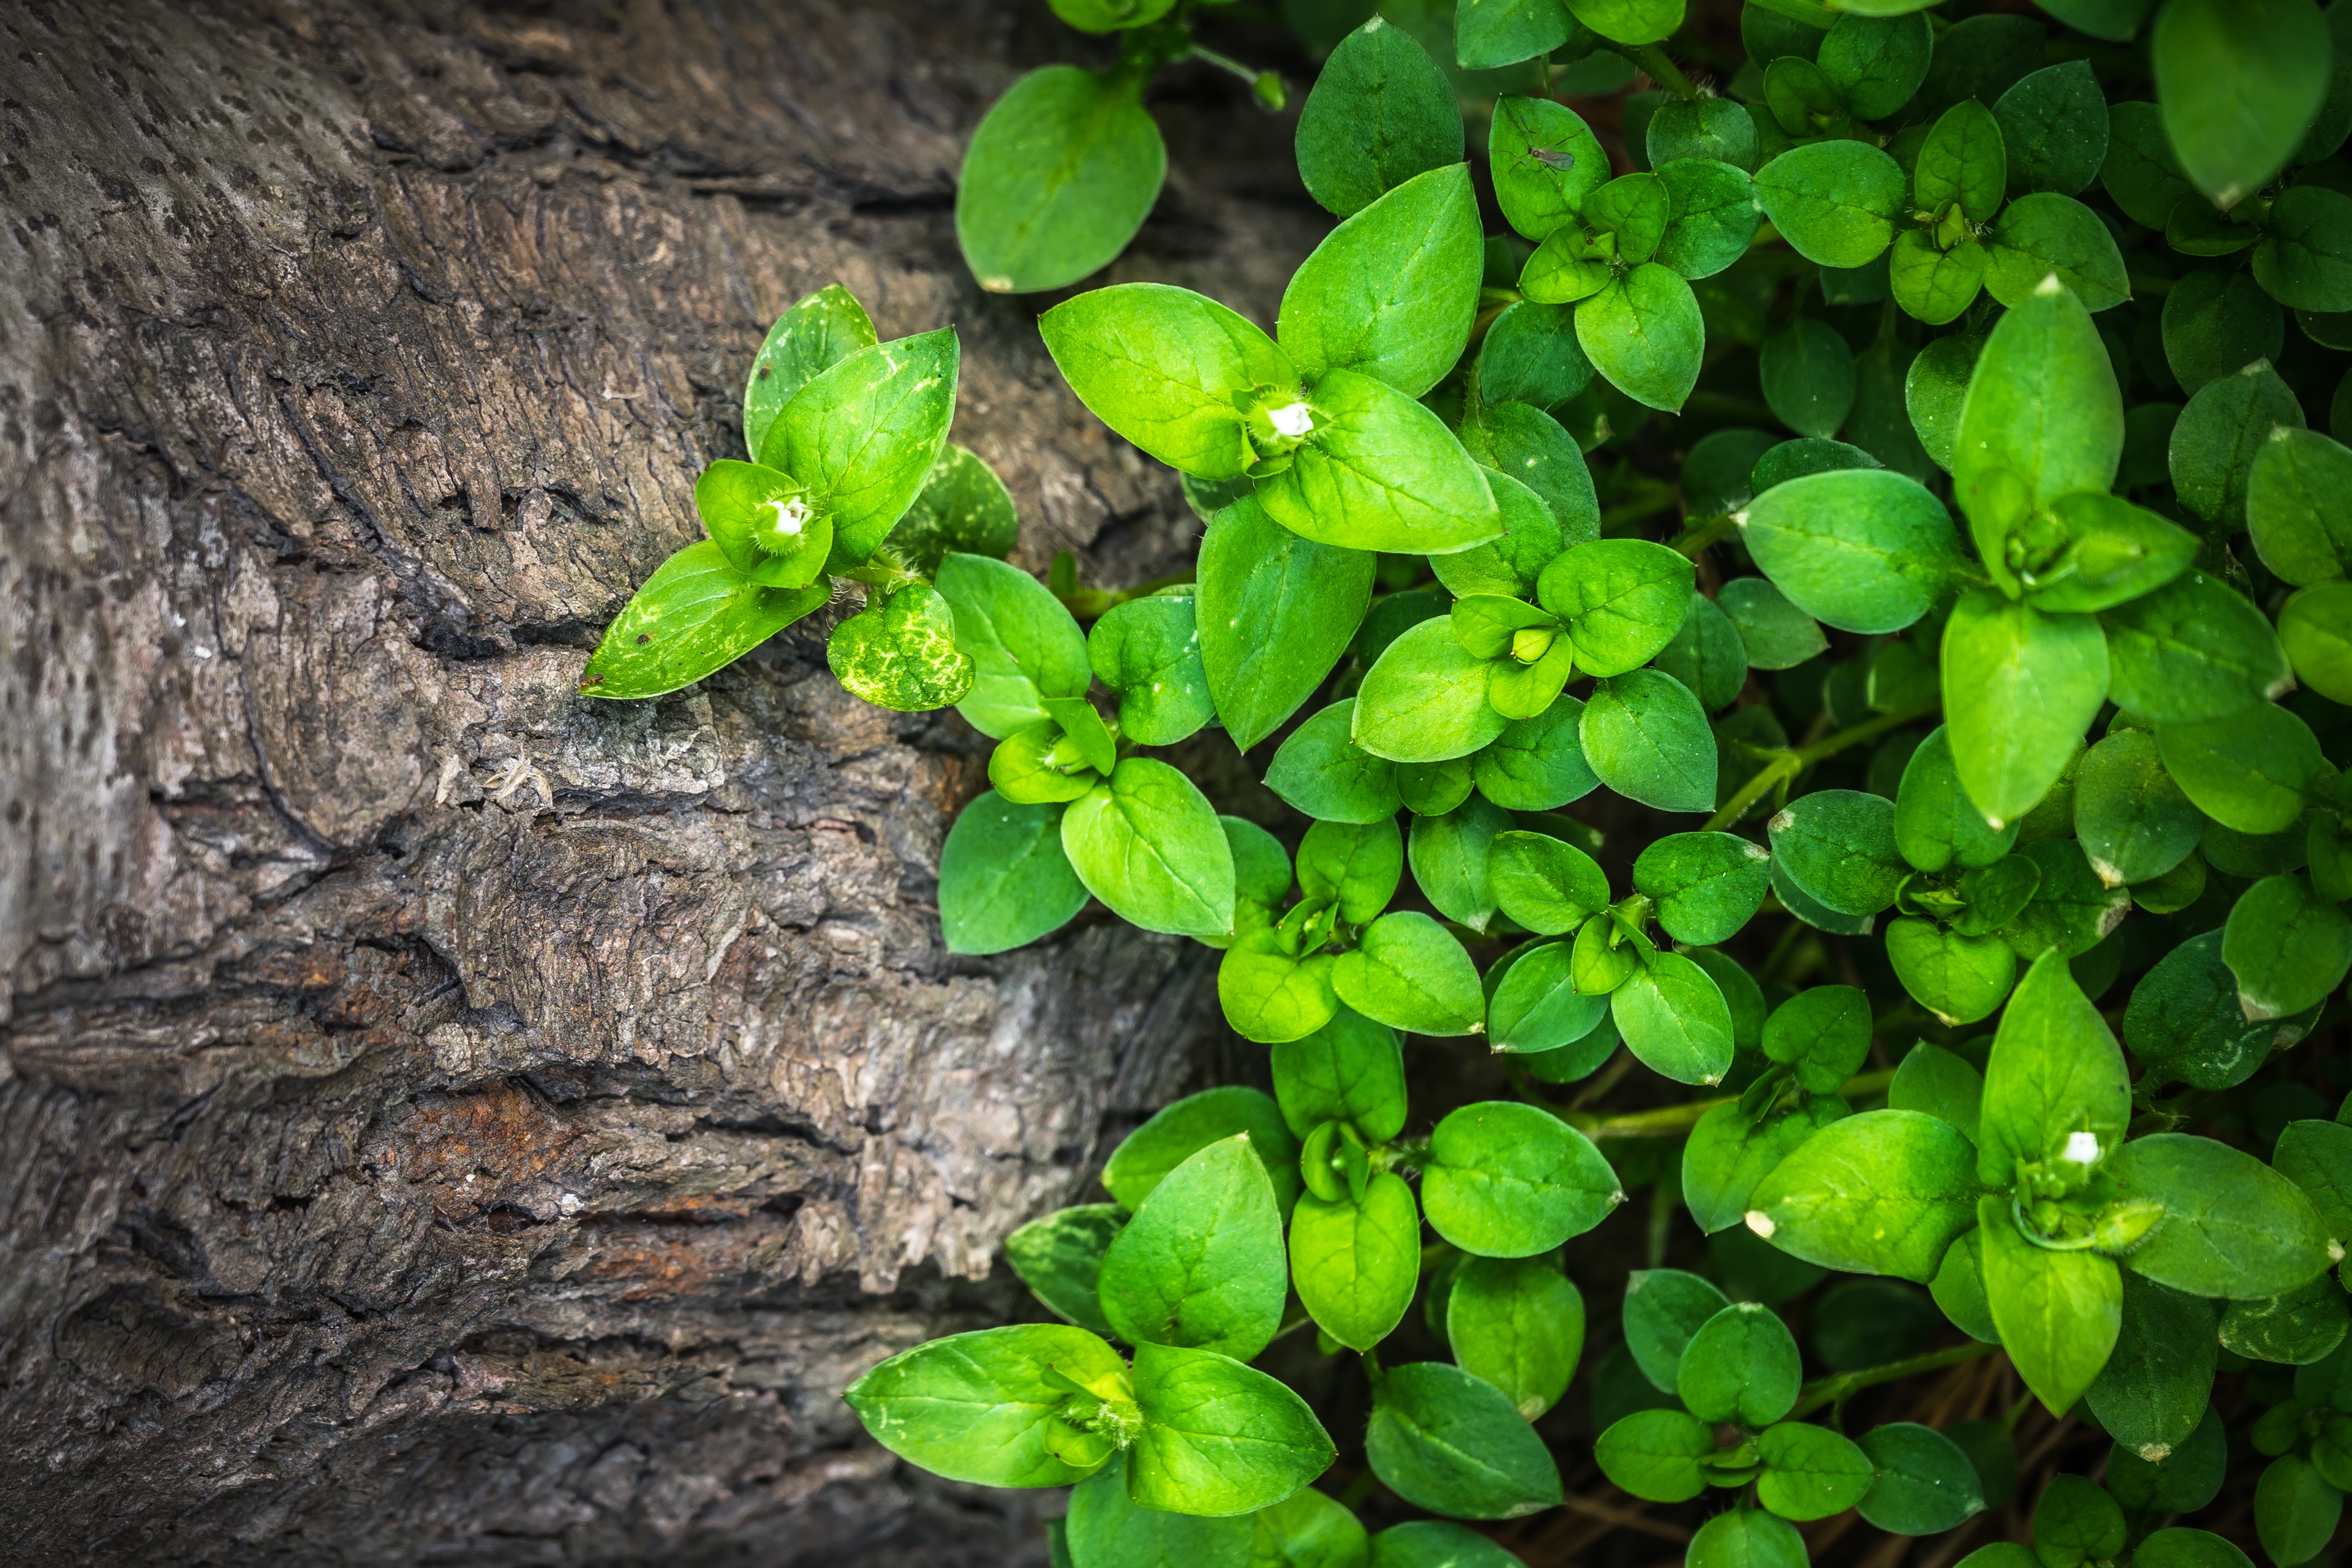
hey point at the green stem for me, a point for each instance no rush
(1787, 764)
(1665, 72)
(1700, 535)
(1837, 1390)
(1666, 1121)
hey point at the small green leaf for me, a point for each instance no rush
(1714, 210)
(1163, 366)
(1706, 885)
(984, 1407)
(1005, 880)
(1060, 1258)
(1059, 176)
(1728, 1153)
(2058, 1312)
(1811, 1472)
(900, 652)
(695, 615)
(2186, 1023)
(2159, 1382)
(1965, 160)
(2288, 947)
(1218, 1437)
(2020, 687)
(1023, 644)
(2132, 819)
(1444, 1440)
(1833, 202)
(2142, 173)
(1351, 1070)
(1322, 772)
(1747, 1538)
(1201, 1264)
(1664, 1308)
(1538, 764)
(2054, 123)
(819, 332)
(1839, 846)
(863, 435)
(1623, 599)
(1935, 824)
(1880, 1193)
(1960, 979)
(2217, 320)
(2295, 1510)
(1518, 1323)
(1392, 291)
(1426, 700)
(1807, 372)
(2045, 235)
(2078, 1522)
(1646, 737)
(2221, 432)
(2304, 262)
(1354, 866)
(2316, 628)
(1741, 1365)
(2238, 81)
(1381, 113)
(963, 506)
(1511, 1180)
(1863, 548)
(1106, 1525)
(1546, 160)
(1449, 857)
(1674, 1018)
(1378, 471)
(1926, 1482)
(2247, 772)
(1824, 1032)
(1180, 1131)
(1644, 332)
(2299, 506)
(1655, 1454)
(1145, 842)
(1356, 1264)
(1410, 973)
(1546, 885)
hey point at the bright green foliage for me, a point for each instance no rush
(1848, 616)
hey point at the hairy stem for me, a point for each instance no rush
(1666, 1121)
(1788, 765)
(1664, 71)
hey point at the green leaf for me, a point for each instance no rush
(1107, 1527)
(1426, 700)
(1937, 1081)
(1538, 764)
(1741, 1365)
(1926, 1482)
(2043, 416)
(1714, 216)
(1833, 202)
(2296, 1511)
(1505, 1180)
(2055, 123)
(1308, 1530)
(819, 332)
(1449, 1442)
(1865, 550)
(1146, 844)
(2220, 434)
(2216, 319)
(1269, 994)
(1324, 773)
(1392, 291)
(2058, 1312)
(1148, 651)
(2295, 1329)
(695, 615)
(1381, 113)
(2142, 173)
(1060, 1258)
(2238, 81)
(1708, 130)
(1632, 211)
(1706, 885)
(1351, 1070)
(1807, 372)
(1839, 846)
(2046, 235)
(1965, 160)
(2076, 1523)
(1546, 160)
(1880, 1193)
(2247, 772)
(1824, 1032)
(1218, 1437)
(2067, 907)
(2185, 1021)
(1664, 1308)
(1529, 355)
(1934, 390)
(1935, 824)
(1505, 567)
(900, 652)
(1958, 978)
(1449, 854)
(1630, 21)
(1023, 644)
(1356, 867)
(2316, 628)
(2316, 1156)
(2233, 1226)
(1003, 879)
(963, 506)
(2288, 947)
(1163, 366)
(1059, 175)
(762, 519)
(1811, 1472)
(1518, 1324)
(1530, 447)
(1876, 61)
(2190, 652)
(1410, 973)
(863, 435)
(2020, 687)
(1433, 1543)
(2132, 819)
(1623, 600)
(1747, 1538)
(1543, 884)
(1379, 472)
(1674, 1018)
(984, 1407)
(1491, 33)
(2056, 1091)
(1645, 736)
(1728, 1153)
(2159, 1382)
(1655, 1454)
(1643, 332)
(2304, 262)
(1773, 632)
(2112, 552)
(1276, 612)
(1178, 1132)
(1936, 286)
(1201, 1264)
(1357, 1264)
(2299, 506)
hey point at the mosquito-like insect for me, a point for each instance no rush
(1552, 159)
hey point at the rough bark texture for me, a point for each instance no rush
(443, 1119)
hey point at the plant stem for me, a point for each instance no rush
(1837, 1390)
(1666, 1121)
(1665, 72)
(1698, 536)
(1787, 764)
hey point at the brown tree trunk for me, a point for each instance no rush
(441, 1117)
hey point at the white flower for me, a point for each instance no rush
(2081, 1148)
(792, 516)
(1293, 419)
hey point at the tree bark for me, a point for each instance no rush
(442, 1117)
